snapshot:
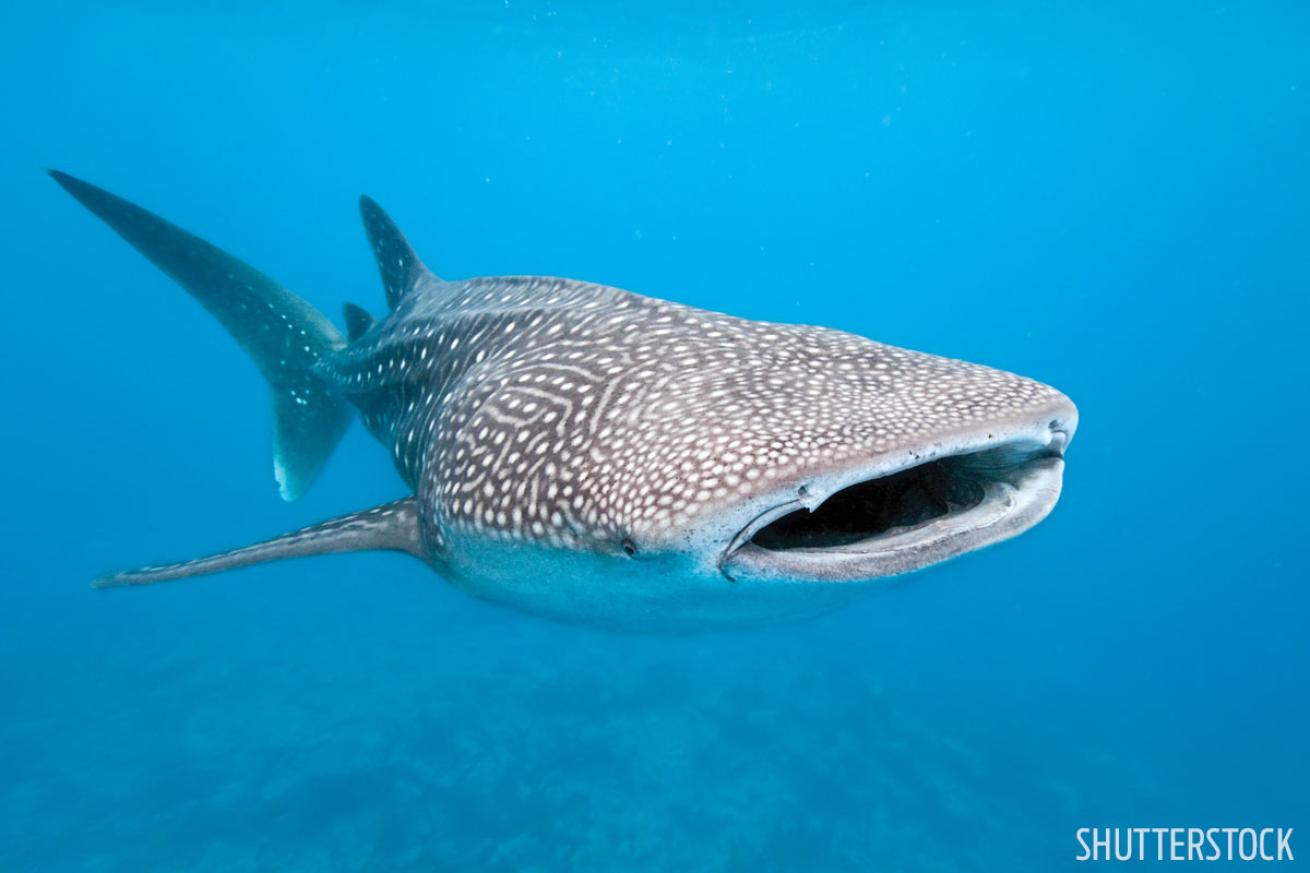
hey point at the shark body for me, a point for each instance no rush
(591, 454)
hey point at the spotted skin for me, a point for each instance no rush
(579, 416)
(587, 453)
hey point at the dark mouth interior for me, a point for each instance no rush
(904, 499)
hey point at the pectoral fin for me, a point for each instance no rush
(391, 526)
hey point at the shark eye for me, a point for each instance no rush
(629, 547)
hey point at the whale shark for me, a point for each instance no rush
(590, 454)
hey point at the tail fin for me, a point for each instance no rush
(282, 333)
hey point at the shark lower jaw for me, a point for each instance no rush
(884, 522)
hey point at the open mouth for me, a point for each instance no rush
(905, 519)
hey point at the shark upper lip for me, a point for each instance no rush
(884, 520)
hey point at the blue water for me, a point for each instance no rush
(1112, 199)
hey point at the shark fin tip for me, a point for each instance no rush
(71, 184)
(286, 489)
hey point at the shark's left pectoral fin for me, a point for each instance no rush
(391, 526)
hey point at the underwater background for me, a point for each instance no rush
(1108, 197)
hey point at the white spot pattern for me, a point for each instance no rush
(525, 408)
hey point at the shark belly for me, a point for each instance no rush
(669, 593)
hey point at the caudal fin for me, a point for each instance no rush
(282, 333)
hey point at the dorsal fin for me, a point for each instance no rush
(399, 266)
(358, 321)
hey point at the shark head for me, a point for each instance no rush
(824, 457)
(706, 462)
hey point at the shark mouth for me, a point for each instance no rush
(892, 521)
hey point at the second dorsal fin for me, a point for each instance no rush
(358, 321)
(398, 265)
